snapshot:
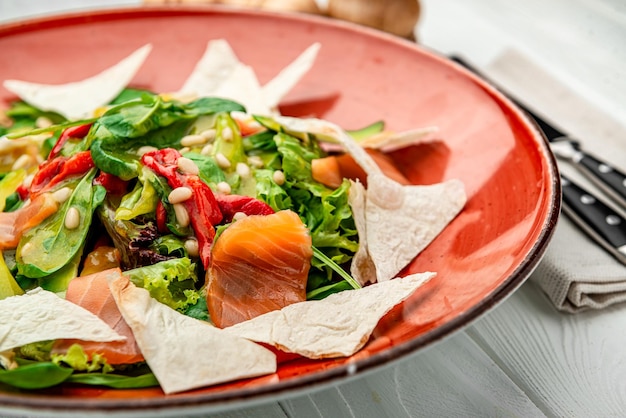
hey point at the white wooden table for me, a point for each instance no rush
(523, 358)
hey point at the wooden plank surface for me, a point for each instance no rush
(569, 365)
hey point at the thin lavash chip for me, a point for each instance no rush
(40, 315)
(337, 326)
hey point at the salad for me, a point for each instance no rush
(187, 217)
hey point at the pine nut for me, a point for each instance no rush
(182, 216)
(238, 216)
(227, 134)
(223, 187)
(179, 195)
(28, 180)
(43, 122)
(243, 170)
(23, 161)
(209, 134)
(255, 161)
(192, 140)
(26, 248)
(72, 218)
(184, 150)
(145, 149)
(187, 166)
(278, 177)
(191, 245)
(222, 161)
(207, 149)
(62, 194)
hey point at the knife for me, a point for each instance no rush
(608, 178)
(591, 214)
(596, 218)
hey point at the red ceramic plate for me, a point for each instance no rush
(360, 76)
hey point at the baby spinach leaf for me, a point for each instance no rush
(210, 172)
(38, 375)
(54, 244)
(116, 381)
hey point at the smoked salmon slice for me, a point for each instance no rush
(14, 224)
(259, 264)
(331, 170)
(92, 293)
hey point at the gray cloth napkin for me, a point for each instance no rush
(576, 273)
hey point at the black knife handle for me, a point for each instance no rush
(611, 180)
(603, 223)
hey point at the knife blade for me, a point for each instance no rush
(603, 224)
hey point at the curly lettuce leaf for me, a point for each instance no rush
(171, 282)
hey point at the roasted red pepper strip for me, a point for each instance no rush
(55, 171)
(204, 212)
(111, 183)
(231, 204)
(47, 170)
(161, 218)
(79, 131)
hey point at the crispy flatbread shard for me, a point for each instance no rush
(182, 352)
(403, 220)
(78, 100)
(362, 266)
(219, 73)
(277, 88)
(212, 70)
(40, 315)
(336, 326)
(387, 141)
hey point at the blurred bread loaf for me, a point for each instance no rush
(398, 17)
